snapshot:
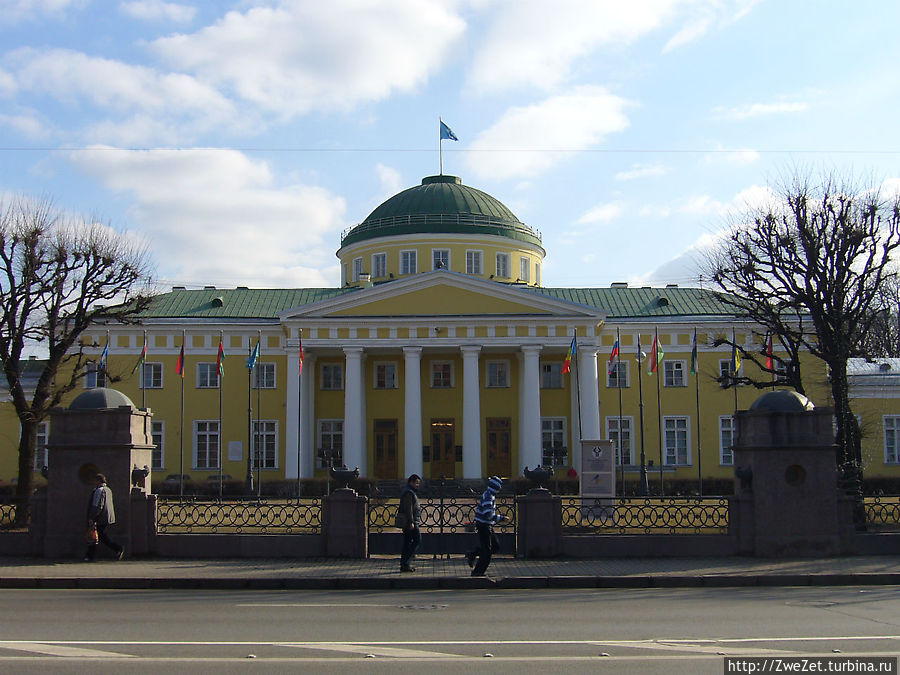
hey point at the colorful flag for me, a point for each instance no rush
(300, 369)
(254, 357)
(694, 354)
(179, 364)
(142, 358)
(611, 364)
(567, 364)
(104, 355)
(220, 359)
(770, 363)
(656, 354)
(447, 133)
(735, 359)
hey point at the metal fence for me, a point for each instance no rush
(447, 515)
(236, 516)
(883, 513)
(645, 515)
(10, 508)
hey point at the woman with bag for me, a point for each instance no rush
(101, 514)
(408, 514)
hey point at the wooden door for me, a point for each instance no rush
(386, 467)
(443, 453)
(498, 444)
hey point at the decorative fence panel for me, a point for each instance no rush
(10, 508)
(447, 515)
(645, 515)
(883, 513)
(236, 516)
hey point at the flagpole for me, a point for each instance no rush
(734, 368)
(577, 387)
(441, 148)
(662, 490)
(143, 388)
(259, 437)
(300, 412)
(619, 385)
(181, 432)
(250, 365)
(220, 374)
(697, 389)
(645, 486)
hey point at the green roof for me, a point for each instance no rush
(441, 204)
(624, 302)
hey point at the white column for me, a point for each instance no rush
(353, 410)
(530, 398)
(308, 445)
(471, 413)
(412, 411)
(293, 422)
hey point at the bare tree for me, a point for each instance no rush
(811, 269)
(883, 341)
(58, 275)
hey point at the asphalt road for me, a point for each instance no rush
(610, 631)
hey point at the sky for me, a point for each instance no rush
(240, 139)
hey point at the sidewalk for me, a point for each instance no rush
(382, 572)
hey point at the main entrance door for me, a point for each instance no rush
(386, 449)
(443, 454)
(498, 460)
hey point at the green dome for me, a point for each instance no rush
(442, 205)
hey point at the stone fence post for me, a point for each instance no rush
(344, 524)
(539, 527)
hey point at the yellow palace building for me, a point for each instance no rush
(443, 354)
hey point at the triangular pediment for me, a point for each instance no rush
(443, 293)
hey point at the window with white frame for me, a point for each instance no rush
(673, 374)
(617, 376)
(618, 430)
(151, 376)
(676, 440)
(158, 438)
(206, 444)
(537, 273)
(344, 274)
(207, 376)
(264, 375)
(502, 265)
(726, 440)
(407, 262)
(332, 376)
(441, 374)
(524, 269)
(553, 441)
(386, 375)
(497, 373)
(473, 262)
(891, 439)
(379, 265)
(265, 444)
(40, 446)
(440, 259)
(357, 268)
(551, 375)
(94, 376)
(331, 444)
(726, 377)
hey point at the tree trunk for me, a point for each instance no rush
(849, 443)
(25, 484)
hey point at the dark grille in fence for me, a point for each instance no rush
(448, 515)
(883, 513)
(276, 516)
(645, 515)
(9, 508)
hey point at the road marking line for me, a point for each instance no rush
(376, 650)
(56, 649)
(310, 604)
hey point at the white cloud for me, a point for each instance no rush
(389, 178)
(7, 83)
(528, 140)
(157, 10)
(642, 171)
(26, 125)
(602, 213)
(706, 16)
(203, 211)
(738, 157)
(13, 11)
(301, 56)
(750, 110)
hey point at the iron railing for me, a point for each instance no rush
(441, 515)
(12, 507)
(883, 513)
(645, 515)
(236, 515)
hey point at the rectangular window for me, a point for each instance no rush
(158, 436)
(676, 439)
(331, 443)
(40, 446)
(503, 265)
(152, 376)
(440, 259)
(357, 268)
(726, 439)
(379, 265)
(473, 262)
(524, 269)
(264, 375)
(551, 375)
(265, 444)
(537, 273)
(94, 376)
(497, 373)
(385, 375)
(332, 376)
(673, 374)
(407, 262)
(891, 438)
(206, 444)
(621, 439)
(553, 441)
(207, 376)
(441, 374)
(726, 377)
(618, 376)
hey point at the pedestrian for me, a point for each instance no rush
(101, 514)
(485, 517)
(408, 514)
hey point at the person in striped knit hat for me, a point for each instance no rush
(485, 517)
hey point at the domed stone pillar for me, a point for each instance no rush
(100, 432)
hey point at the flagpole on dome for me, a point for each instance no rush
(445, 133)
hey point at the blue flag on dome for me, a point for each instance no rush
(447, 133)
